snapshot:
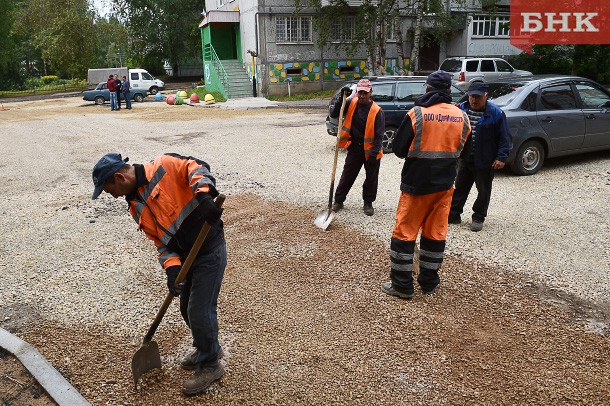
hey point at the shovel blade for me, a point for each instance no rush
(324, 218)
(145, 359)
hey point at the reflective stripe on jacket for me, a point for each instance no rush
(439, 133)
(369, 132)
(164, 201)
(439, 122)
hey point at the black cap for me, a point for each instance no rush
(105, 168)
(439, 80)
(477, 88)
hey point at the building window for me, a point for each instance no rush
(389, 33)
(343, 29)
(490, 27)
(292, 29)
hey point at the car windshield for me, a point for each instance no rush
(451, 65)
(504, 93)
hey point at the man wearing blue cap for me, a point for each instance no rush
(430, 138)
(491, 143)
(170, 198)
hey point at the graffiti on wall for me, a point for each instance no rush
(294, 71)
(332, 70)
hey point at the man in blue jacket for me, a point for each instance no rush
(487, 151)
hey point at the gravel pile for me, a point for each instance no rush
(522, 315)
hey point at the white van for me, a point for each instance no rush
(141, 79)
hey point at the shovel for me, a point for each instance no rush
(148, 357)
(325, 216)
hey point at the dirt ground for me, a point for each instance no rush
(303, 321)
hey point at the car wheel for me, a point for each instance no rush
(529, 159)
(99, 100)
(154, 90)
(138, 97)
(388, 139)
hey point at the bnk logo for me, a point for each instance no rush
(559, 22)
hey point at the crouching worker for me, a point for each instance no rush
(431, 137)
(170, 198)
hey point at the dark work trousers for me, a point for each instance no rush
(118, 98)
(466, 177)
(199, 300)
(353, 162)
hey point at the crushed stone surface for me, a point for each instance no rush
(522, 315)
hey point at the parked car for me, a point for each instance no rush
(101, 94)
(551, 116)
(464, 70)
(395, 95)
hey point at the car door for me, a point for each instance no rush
(596, 110)
(103, 87)
(134, 78)
(383, 95)
(488, 70)
(406, 94)
(561, 118)
(504, 69)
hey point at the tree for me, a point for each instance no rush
(374, 15)
(63, 32)
(162, 29)
(8, 63)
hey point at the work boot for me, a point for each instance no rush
(202, 378)
(388, 288)
(476, 225)
(368, 209)
(189, 362)
(337, 206)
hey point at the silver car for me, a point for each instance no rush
(464, 70)
(552, 116)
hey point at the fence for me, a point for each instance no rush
(46, 89)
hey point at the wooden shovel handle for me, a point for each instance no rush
(332, 176)
(185, 268)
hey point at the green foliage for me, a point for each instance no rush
(162, 29)
(62, 30)
(590, 61)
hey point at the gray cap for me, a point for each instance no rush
(105, 168)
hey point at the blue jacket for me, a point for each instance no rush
(493, 140)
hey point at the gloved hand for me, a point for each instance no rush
(210, 211)
(172, 273)
(346, 90)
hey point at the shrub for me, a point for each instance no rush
(49, 79)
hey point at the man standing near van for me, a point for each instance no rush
(490, 146)
(117, 81)
(430, 138)
(111, 85)
(362, 135)
(125, 87)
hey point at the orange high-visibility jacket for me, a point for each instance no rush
(439, 134)
(369, 132)
(164, 201)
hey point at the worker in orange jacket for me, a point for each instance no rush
(170, 198)
(431, 137)
(362, 135)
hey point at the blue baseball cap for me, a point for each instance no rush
(439, 80)
(477, 88)
(105, 168)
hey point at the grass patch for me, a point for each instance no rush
(324, 94)
(49, 89)
(201, 92)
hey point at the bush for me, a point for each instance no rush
(47, 80)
